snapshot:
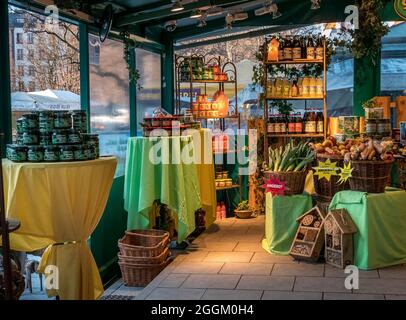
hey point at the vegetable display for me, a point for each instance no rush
(290, 158)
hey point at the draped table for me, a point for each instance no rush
(59, 205)
(381, 222)
(175, 170)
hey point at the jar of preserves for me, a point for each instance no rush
(30, 137)
(46, 121)
(35, 153)
(62, 120)
(67, 153)
(30, 121)
(60, 136)
(79, 119)
(45, 139)
(74, 136)
(271, 125)
(371, 127)
(79, 154)
(19, 126)
(16, 153)
(51, 153)
(92, 140)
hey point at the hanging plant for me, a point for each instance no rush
(367, 39)
(129, 46)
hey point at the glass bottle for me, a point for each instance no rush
(320, 122)
(320, 49)
(271, 125)
(277, 128)
(303, 48)
(282, 123)
(294, 91)
(310, 52)
(281, 51)
(288, 49)
(292, 124)
(298, 124)
(297, 50)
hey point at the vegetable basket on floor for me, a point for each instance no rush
(143, 255)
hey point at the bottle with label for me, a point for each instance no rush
(286, 88)
(281, 50)
(271, 125)
(311, 122)
(278, 87)
(320, 49)
(320, 122)
(303, 48)
(282, 123)
(294, 91)
(310, 50)
(223, 211)
(312, 87)
(306, 87)
(319, 87)
(297, 50)
(300, 86)
(288, 49)
(292, 124)
(276, 124)
(298, 124)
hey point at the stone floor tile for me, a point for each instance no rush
(266, 283)
(211, 281)
(298, 269)
(291, 295)
(382, 286)
(173, 280)
(194, 255)
(249, 247)
(267, 257)
(218, 294)
(330, 271)
(395, 297)
(175, 294)
(228, 257)
(128, 291)
(215, 246)
(201, 267)
(353, 296)
(395, 272)
(319, 284)
(262, 269)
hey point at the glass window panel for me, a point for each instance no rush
(109, 98)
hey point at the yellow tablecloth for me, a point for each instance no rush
(58, 203)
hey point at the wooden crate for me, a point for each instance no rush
(338, 232)
(400, 110)
(309, 238)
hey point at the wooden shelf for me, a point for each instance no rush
(224, 117)
(301, 61)
(13, 225)
(234, 186)
(294, 98)
(296, 135)
(209, 81)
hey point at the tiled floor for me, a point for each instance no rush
(228, 262)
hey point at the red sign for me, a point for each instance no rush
(275, 186)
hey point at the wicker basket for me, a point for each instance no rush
(327, 189)
(139, 275)
(143, 243)
(370, 176)
(145, 260)
(243, 214)
(295, 181)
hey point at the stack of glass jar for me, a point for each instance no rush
(311, 123)
(53, 136)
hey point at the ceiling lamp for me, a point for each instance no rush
(315, 4)
(177, 6)
(196, 14)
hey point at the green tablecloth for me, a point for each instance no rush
(176, 184)
(381, 222)
(280, 221)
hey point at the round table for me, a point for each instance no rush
(59, 205)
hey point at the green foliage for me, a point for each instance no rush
(243, 205)
(129, 45)
(371, 103)
(283, 107)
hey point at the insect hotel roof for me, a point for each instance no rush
(343, 220)
(311, 211)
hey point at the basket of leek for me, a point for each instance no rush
(290, 164)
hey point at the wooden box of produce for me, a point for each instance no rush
(309, 238)
(338, 231)
(290, 164)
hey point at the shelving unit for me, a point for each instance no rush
(320, 98)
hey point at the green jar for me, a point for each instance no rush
(60, 136)
(45, 139)
(16, 153)
(92, 140)
(30, 121)
(46, 121)
(30, 137)
(35, 154)
(79, 119)
(67, 153)
(19, 126)
(62, 120)
(79, 153)
(74, 137)
(87, 152)
(51, 153)
(19, 139)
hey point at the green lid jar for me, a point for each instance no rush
(86, 151)
(30, 137)
(16, 153)
(90, 152)
(62, 120)
(30, 121)
(67, 153)
(60, 136)
(35, 153)
(74, 137)
(45, 139)
(92, 139)
(79, 119)
(51, 153)
(19, 125)
(46, 121)
(19, 139)
(79, 154)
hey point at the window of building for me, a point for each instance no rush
(30, 38)
(20, 54)
(110, 109)
(149, 96)
(31, 71)
(19, 38)
(21, 71)
(21, 86)
(31, 86)
(31, 54)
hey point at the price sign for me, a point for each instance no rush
(275, 186)
(326, 170)
(345, 173)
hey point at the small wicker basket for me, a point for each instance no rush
(370, 176)
(295, 181)
(139, 275)
(145, 260)
(143, 243)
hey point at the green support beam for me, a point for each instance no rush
(133, 99)
(84, 70)
(5, 89)
(168, 81)
(134, 18)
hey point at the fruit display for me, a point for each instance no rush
(290, 158)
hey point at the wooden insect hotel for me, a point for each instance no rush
(338, 230)
(309, 238)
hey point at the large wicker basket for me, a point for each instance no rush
(326, 189)
(143, 243)
(145, 260)
(139, 275)
(295, 181)
(370, 176)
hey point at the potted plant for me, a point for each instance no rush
(243, 210)
(372, 109)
